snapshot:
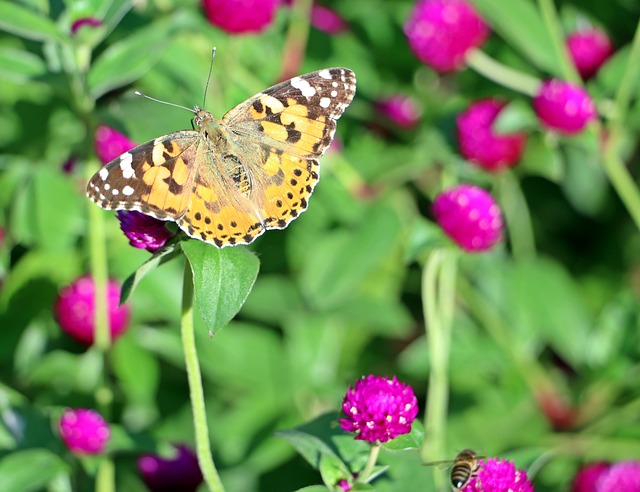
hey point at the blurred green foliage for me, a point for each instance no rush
(544, 366)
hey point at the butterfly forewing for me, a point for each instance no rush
(231, 180)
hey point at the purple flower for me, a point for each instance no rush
(589, 49)
(564, 107)
(379, 409)
(143, 231)
(619, 477)
(480, 144)
(441, 32)
(181, 472)
(85, 21)
(470, 216)
(587, 477)
(240, 16)
(400, 110)
(84, 431)
(343, 485)
(110, 143)
(75, 310)
(498, 476)
(326, 20)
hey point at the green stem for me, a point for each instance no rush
(297, 37)
(614, 166)
(371, 463)
(201, 429)
(438, 299)
(517, 215)
(551, 20)
(105, 479)
(501, 74)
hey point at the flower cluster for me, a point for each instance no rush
(606, 477)
(496, 475)
(379, 409)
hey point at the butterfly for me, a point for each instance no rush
(232, 179)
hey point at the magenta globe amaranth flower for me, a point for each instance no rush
(75, 310)
(495, 475)
(326, 20)
(470, 216)
(84, 431)
(589, 49)
(240, 16)
(587, 477)
(480, 144)
(181, 472)
(619, 477)
(110, 143)
(143, 231)
(379, 409)
(563, 107)
(400, 110)
(441, 32)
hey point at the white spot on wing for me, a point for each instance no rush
(125, 165)
(115, 192)
(103, 173)
(325, 74)
(324, 102)
(127, 190)
(304, 87)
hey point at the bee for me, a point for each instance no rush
(463, 468)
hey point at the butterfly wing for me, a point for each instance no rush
(155, 178)
(283, 131)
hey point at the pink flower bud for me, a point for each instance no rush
(564, 107)
(470, 216)
(587, 477)
(379, 409)
(181, 472)
(480, 144)
(589, 49)
(75, 310)
(84, 431)
(400, 110)
(110, 143)
(622, 476)
(143, 231)
(240, 16)
(441, 32)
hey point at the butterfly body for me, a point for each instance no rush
(232, 179)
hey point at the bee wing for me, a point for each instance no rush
(441, 464)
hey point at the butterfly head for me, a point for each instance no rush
(202, 115)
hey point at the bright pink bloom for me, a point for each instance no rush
(326, 20)
(75, 310)
(619, 477)
(480, 144)
(589, 49)
(379, 409)
(84, 431)
(110, 143)
(587, 477)
(344, 485)
(499, 476)
(85, 21)
(400, 110)
(181, 472)
(143, 231)
(470, 216)
(240, 16)
(563, 106)
(441, 32)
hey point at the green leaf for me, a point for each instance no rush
(542, 159)
(167, 253)
(413, 440)
(27, 24)
(129, 59)
(586, 185)
(520, 24)
(222, 280)
(31, 469)
(514, 117)
(20, 65)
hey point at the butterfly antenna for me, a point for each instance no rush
(206, 87)
(138, 93)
